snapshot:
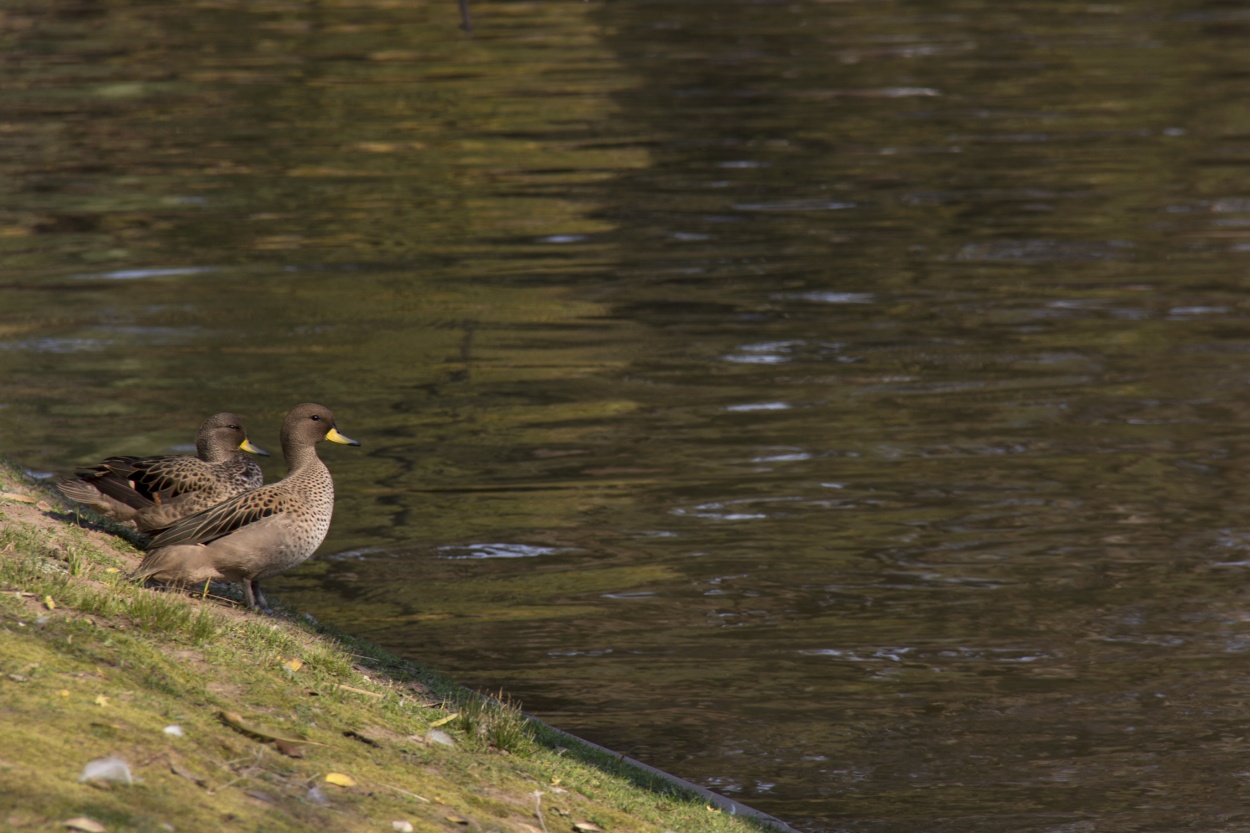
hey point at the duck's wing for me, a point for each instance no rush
(114, 477)
(223, 519)
(162, 478)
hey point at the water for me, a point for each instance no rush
(840, 405)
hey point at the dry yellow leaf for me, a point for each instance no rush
(340, 779)
(101, 700)
(444, 721)
(112, 570)
(294, 664)
(346, 687)
(64, 692)
(48, 603)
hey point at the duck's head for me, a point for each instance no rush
(221, 435)
(309, 424)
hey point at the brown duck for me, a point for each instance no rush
(259, 533)
(154, 492)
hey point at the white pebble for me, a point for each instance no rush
(174, 730)
(107, 769)
(402, 826)
(439, 736)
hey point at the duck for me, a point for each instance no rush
(151, 493)
(262, 532)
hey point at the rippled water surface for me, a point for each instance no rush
(841, 405)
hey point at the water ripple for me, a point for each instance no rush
(480, 551)
(138, 274)
(1041, 251)
(57, 345)
(830, 297)
(795, 205)
(758, 406)
(729, 510)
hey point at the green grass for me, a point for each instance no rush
(92, 664)
(495, 721)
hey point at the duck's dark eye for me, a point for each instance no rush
(316, 417)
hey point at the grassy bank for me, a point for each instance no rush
(217, 719)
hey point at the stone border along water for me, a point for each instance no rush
(729, 805)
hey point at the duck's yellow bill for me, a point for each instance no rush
(335, 437)
(247, 446)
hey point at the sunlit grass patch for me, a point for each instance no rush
(323, 659)
(266, 642)
(108, 603)
(77, 561)
(27, 562)
(21, 538)
(496, 721)
(168, 613)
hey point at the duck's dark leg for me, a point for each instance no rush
(249, 598)
(253, 598)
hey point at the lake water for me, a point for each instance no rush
(841, 405)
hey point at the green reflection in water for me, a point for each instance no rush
(263, 206)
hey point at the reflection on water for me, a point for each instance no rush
(841, 405)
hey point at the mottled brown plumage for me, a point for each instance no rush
(154, 492)
(262, 532)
